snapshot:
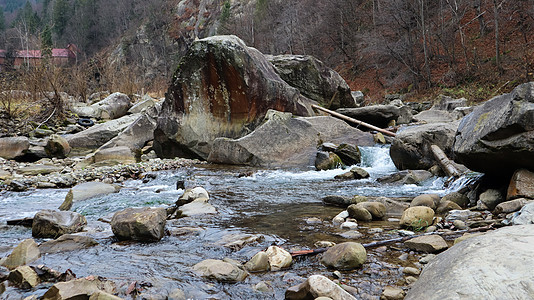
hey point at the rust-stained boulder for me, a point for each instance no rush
(222, 88)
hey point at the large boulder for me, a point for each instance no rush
(25, 253)
(496, 265)
(345, 256)
(286, 141)
(100, 134)
(521, 185)
(498, 136)
(411, 147)
(57, 146)
(112, 107)
(51, 224)
(314, 80)
(13, 147)
(139, 224)
(220, 88)
(378, 115)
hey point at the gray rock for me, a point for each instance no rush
(411, 147)
(406, 177)
(219, 270)
(458, 198)
(378, 115)
(100, 134)
(57, 146)
(435, 116)
(192, 194)
(314, 80)
(39, 169)
(348, 154)
(525, 216)
(511, 206)
(498, 131)
(345, 256)
(85, 191)
(25, 253)
(428, 200)
(417, 217)
(448, 103)
(358, 97)
(509, 277)
(139, 224)
(221, 88)
(52, 224)
(427, 243)
(315, 287)
(463, 215)
(359, 213)
(67, 242)
(112, 107)
(78, 289)
(285, 141)
(491, 198)
(327, 161)
(143, 105)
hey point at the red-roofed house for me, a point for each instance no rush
(60, 57)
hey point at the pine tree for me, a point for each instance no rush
(60, 16)
(46, 42)
(2, 20)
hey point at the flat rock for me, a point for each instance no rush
(39, 169)
(81, 288)
(139, 224)
(427, 243)
(87, 190)
(52, 224)
(99, 134)
(220, 270)
(67, 242)
(25, 252)
(197, 207)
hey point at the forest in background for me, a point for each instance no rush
(465, 48)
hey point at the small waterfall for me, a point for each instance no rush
(376, 161)
(462, 182)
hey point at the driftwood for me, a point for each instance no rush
(444, 162)
(391, 241)
(335, 114)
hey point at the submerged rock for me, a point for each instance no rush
(221, 270)
(220, 88)
(52, 224)
(139, 224)
(481, 268)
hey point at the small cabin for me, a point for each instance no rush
(60, 57)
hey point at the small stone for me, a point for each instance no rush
(349, 225)
(410, 279)
(258, 263)
(392, 293)
(337, 275)
(351, 234)
(311, 221)
(324, 244)
(427, 243)
(459, 224)
(431, 229)
(278, 258)
(411, 271)
(375, 230)
(427, 258)
(262, 287)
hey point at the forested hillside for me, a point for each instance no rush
(471, 48)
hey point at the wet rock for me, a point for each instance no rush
(508, 278)
(85, 191)
(25, 253)
(463, 215)
(221, 88)
(411, 147)
(336, 200)
(417, 217)
(51, 224)
(220, 270)
(258, 263)
(411, 271)
(345, 176)
(114, 156)
(285, 141)
(459, 224)
(491, 198)
(99, 134)
(139, 224)
(359, 213)
(349, 225)
(351, 235)
(377, 209)
(428, 200)
(378, 115)
(199, 206)
(278, 258)
(67, 242)
(348, 154)
(525, 216)
(498, 131)
(81, 288)
(427, 243)
(314, 80)
(238, 241)
(39, 169)
(100, 295)
(406, 177)
(458, 198)
(192, 194)
(57, 146)
(24, 277)
(392, 293)
(359, 173)
(445, 206)
(467, 236)
(521, 185)
(327, 161)
(13, 147)
(345, 256)
(317, 286)
(511, 206)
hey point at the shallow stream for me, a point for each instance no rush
(274, 203)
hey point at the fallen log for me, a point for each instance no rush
(341, 116)
(444, 162)
(395, 240)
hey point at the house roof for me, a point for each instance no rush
(67, 53)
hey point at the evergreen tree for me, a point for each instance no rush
(60, 16)
(2, 19)
(46, 42)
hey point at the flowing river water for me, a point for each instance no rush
(276, 204)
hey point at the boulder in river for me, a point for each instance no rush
(258, 263)
(220, 88)
(199, 206)
(406, 177)
(496, 265)
(192, 194)
(411, 147)
(327, 161)
(221, 270)
(428, 200)
(427, 243)
(316, 287)
(278, 258)
(51, 224)
(139, 224)
(85, 191)
(283, 141)
(314, 80)
(417, 217)
(377, 115)
(67, 242)
(24, 277)
(81, 288)
(499, 131)
(521, 185)
(13, 147)
(359, 213)
(345, 256)
(25, 252)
